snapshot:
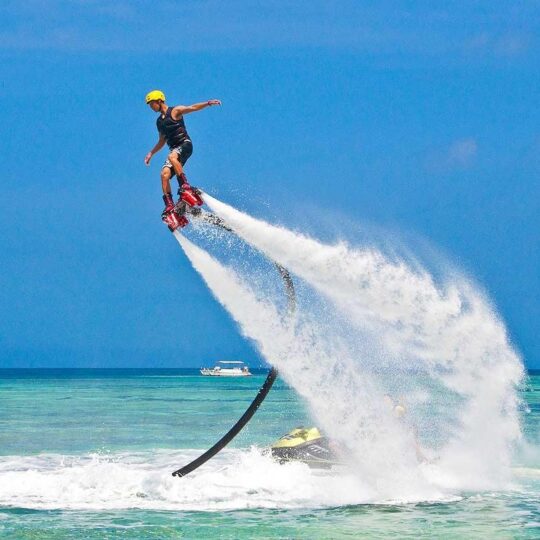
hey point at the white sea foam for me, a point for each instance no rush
(235, 479)
(439, 344)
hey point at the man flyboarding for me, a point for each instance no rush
(172, 130)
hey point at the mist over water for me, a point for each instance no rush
(375, 330)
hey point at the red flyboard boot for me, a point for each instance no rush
(170, 217)
(190, 195)
(174, 221)
(197, 194)
(169, 203)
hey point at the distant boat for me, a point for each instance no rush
(227, 368)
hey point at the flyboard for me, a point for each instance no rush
(190, 205)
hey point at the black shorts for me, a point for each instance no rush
(184, 151)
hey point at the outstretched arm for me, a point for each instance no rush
(179, 110)
(157, 148)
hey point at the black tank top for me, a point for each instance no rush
(173, 130)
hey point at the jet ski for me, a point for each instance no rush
(307, 445)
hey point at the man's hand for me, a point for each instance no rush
(211, 102)
(148, 157)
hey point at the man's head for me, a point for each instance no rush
(155, 99)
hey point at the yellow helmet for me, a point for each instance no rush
(154, 95)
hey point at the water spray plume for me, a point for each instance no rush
(316, 368)
(438, 347)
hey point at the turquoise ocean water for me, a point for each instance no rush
(88, 454)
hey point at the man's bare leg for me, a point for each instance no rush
(166, 180)
(166, 187)
(178, 169)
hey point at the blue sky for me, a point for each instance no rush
(419, 117)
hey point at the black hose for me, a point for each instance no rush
(263, 390)
(233, 432)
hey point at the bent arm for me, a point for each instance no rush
(179, 110)
(159, 145)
